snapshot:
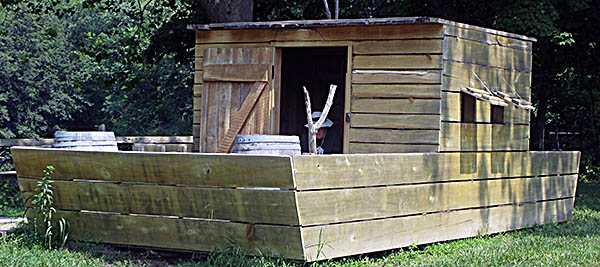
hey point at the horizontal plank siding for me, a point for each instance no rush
(396, 90)
(483, 137)
(256, 206)
(369, 236)
(405, 106)
(370, 32)
(197, 92)
(458, 75)
(487, 38)
(348, 170)
(394, 136)
(395, 121)
(396, 77)
(374, 62)
(423, 46)
(184, 234)
(224, 170)
(362, 148)
(343, 205)
(490, 55)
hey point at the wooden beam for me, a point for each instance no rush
(396, 91)
(388, 136)
(158, 168)
(345, 205)
(418, 46)
(391, 106)
(255, 206)
(369, 148)
(185, 234)
(396, 121)
(236, 72)
(397, 77)
(370, 236)
(397, 62)
(355, 170)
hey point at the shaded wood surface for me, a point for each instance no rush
(184, 234)
(370, 236)
(256, 206)
(343, 205)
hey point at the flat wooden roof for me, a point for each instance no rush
(347, 22)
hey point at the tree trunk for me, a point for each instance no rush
(227, 10)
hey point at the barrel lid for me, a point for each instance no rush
(263, 138)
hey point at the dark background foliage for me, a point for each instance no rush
(128, 64)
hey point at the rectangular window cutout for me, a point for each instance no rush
(497, 114)
(467, 108)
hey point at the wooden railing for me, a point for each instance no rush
(127, 143)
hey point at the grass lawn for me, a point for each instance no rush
(576, 242)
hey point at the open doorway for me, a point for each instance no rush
(316, 68)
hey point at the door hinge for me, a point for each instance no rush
(348, 117)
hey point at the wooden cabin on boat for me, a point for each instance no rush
(403, 83)
(433, 116)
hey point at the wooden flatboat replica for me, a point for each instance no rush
(433, 117)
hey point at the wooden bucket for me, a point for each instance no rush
(89, 141)
(267, 144)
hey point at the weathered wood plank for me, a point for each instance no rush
(362, 148)
(348, 170)
(344, 205)
(487, 38)
(198, 91)
(197, 103)
(389, 121)
(483, 137)
(26, 142)
(185, 234)
(396, 91)
(198, 77)
(408, 106)
(236, 72)
(370, 32)
(426, 46)
(382, 76)
(462, 50)
(458, 75)
(379, 62)
(162, 147)
(431, 137)
(369, 236)
(255, 206)
(382, 32)
(158, 168)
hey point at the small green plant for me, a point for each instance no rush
(55, 234)
(321, 244)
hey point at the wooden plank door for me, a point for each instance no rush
(237, 96)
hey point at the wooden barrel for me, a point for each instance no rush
(90, 141)
(267, 144)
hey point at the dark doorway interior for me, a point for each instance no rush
(315, 68)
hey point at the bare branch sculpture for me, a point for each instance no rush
(327, 12)
(314, 127)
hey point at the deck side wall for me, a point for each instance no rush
(176, 201)
(365, 203)
(500, 63)
(393, 84)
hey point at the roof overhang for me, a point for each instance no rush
(348, 22)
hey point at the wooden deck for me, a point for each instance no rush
(353, 203)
